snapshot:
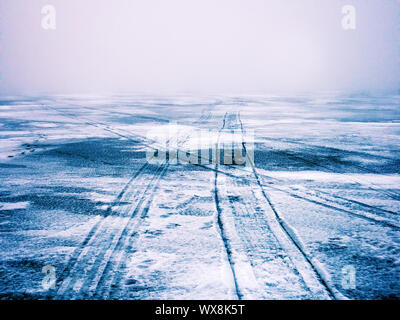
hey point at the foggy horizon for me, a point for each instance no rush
(176, 46)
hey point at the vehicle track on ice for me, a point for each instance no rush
(103, 248)
(110, 277)
(244, 266)
(342, 205)
(339, 204)
(312, 272)
(393, 194)
(219, 220)
(93, 269)
(266, 257)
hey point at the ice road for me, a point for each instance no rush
(84, 214)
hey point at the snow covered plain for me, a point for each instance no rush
(322, 198)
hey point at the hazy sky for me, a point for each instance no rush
(227, 46)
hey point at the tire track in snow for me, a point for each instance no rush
(122, 133)
(363, 215)
(69, 285)
(102, 276)
(277, 276)
(327, 203)
(95, 252)
(144, 141)
(110, 276)
(370, 185)
(77, 252)
(253, 250)
(310, 269)
(104, 279)
(324, 199)
(219, 221)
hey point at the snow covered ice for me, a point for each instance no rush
(315, 217)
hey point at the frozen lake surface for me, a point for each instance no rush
(316, 216)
